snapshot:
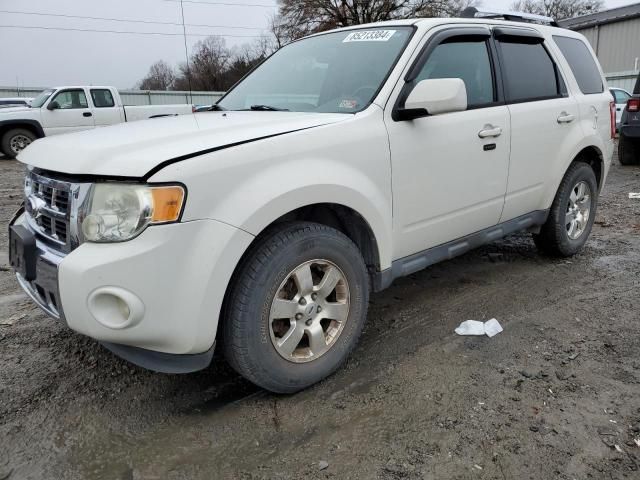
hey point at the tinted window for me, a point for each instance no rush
(102, 98)
(620, 96)
(582, 65)
(466, 60)
(71, 99)
(529, 72)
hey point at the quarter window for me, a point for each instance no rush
(68, 99)
(582, 64)
(467, 60)
(528, 71)
(102, 98)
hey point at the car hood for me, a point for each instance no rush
(134, 149)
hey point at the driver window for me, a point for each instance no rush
(71, 99)
(465, 59)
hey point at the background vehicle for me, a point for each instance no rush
(70, 109)
(201, 108)
(629, 142)
(16, 101)
(620, 97)
(325, 174)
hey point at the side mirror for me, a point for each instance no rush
(433, 97)
(53, 105)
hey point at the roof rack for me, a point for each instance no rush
(475, 12)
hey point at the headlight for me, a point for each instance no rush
(117, 212)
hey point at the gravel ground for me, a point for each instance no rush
(556, 395)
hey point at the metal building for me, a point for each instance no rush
(615, 36)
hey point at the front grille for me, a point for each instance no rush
(48, 206)
(52, 227)
(54, 196)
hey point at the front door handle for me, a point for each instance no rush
(566, 118)
(490, 131)
(86, 114)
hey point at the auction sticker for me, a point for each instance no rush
(369, 36)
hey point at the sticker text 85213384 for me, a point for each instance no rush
(369, 36)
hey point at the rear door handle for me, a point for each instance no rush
(566, 118)
(490, 131)
(86, 114)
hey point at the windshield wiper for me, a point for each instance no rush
(267, 108)
(215, 108)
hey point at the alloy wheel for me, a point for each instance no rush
(309, 311)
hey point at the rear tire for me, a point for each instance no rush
(628, 152)
(16, 140)
(286, 325)
(572, 213)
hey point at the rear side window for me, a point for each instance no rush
(529, 72)
(468, 60)
(582, 64)
(102, 98)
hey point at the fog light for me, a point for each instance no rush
(115, 307)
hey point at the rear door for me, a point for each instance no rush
(72, 113)
(544, 119)
(105, 110)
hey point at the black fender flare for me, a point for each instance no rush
(18, 122)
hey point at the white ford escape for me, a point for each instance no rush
(344, 161)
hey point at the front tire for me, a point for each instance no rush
(296, 307)
(16, 140)
(572, 213)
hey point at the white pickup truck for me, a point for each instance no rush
(69, 109)
(346, 160)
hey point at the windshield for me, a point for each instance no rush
(40, 99)
(337, 72)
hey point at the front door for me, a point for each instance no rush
(450, 170)
(72, 113)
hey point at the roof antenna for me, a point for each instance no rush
(186, 52)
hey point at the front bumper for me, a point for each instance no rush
(43, 289)
(148, 299)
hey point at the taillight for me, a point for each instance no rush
(612, 114)
(633, 105)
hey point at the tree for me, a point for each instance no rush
(558, 9)
(159, 77)
(297, 18)
(215, 67)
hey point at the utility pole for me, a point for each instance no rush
(186, 51)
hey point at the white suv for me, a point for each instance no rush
(346, 160)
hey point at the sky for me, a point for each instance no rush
(41, 57)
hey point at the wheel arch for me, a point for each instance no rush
(594, 157)
(341, 217)
(31, 125)
(588, 153)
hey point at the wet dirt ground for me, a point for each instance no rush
(554, 396)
